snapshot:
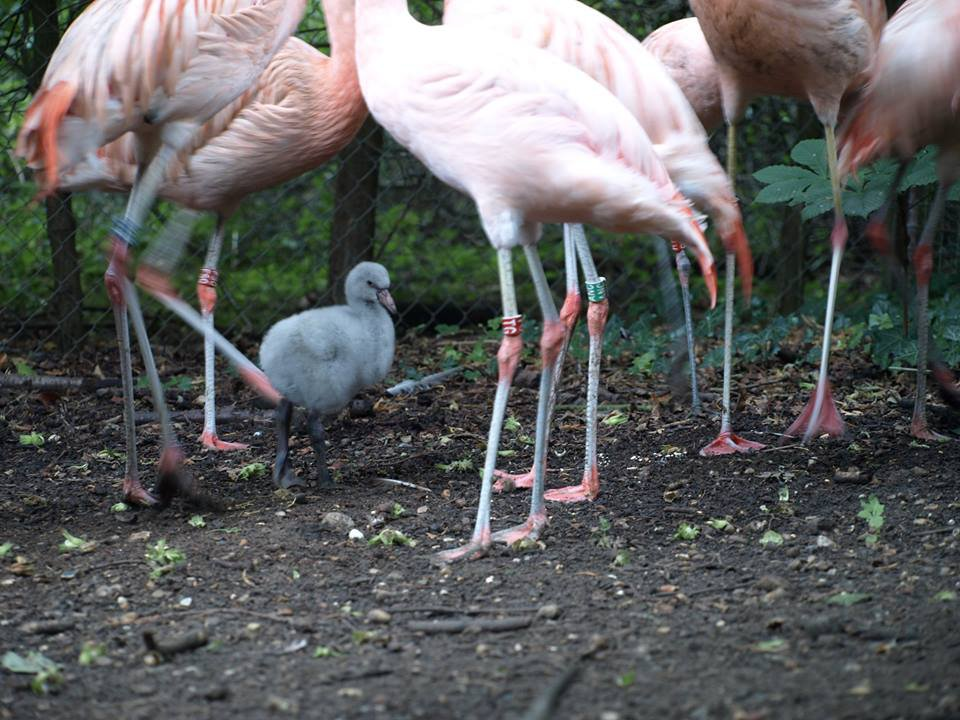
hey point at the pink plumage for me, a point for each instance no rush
(156, 67)
(592, 42)
(684, 52)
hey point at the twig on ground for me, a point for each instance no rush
(440, 610)
(404, 483)
(217, 611)
(106, 566)
(470, 625)
(409, 387)
(543, 705)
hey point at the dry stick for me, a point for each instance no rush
(214, 611)
(56, 382)
(467, 625)
(440, 610)
(543, 705)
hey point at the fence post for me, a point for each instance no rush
(355, 206)
(65, 302)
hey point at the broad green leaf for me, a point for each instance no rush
(813, 154)
(771, 538)
(686, 531)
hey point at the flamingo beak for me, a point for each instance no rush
(735, 242)
(386, 299)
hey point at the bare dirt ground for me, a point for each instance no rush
(301, 621)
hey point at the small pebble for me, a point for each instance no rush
(355, 534)
(550, 611)
(337, 521)
(381, 617)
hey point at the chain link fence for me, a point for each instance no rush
(288, 247)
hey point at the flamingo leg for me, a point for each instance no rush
(507, 358)
(820, 414)
(318, 438)
(683, 273)
(589, 487)
(153, 275)
(923, 267)
(207, 294)
(568, 315)
(728, 442)
(123, 299)
(551, 340)
(283, 475)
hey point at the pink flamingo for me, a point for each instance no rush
(810, 49)
(159, 69)
(531, 140)
(911, 100)
(682, 49)
(303, 110)
(592, 42)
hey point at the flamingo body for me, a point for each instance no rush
(808, 49)
(682, 49)
(160, 68)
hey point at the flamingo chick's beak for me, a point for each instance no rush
(386, 299)
(735, 241)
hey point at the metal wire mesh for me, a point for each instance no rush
(278, 248)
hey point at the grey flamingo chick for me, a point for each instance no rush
(320, 359)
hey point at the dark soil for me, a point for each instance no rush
(641, 624)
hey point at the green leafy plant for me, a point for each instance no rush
(119, 507)
(846, 599)
(626, 680)
(5, 549)
(197, 521)
(325, 651)
(46, 673)
(162, 558)
(872, 510)
(771, 538)
(253, 470)
(398, 510)
(35, 439)
(458, 465)
(718, 523)
(389, 536)
(91, 652)
(686, 531)
(73, 542)
(807, 182)
(603, 532)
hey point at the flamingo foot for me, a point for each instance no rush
(171, 480)
(136, 494)
(508, 482)
(920, 430)
(473, 550)
(586, 490)
(214, 443)
(829, 421)
(530, 530)
(728, 443)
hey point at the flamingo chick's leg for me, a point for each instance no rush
(551, 340)
(683, 272)
(589, 487)
(507, 359)
(820, 414)
(207, 294)
(283, 475)
(123, 237)
(923, 266)
(568, 316)
(318, 438)
(728, 442)
(153, 275)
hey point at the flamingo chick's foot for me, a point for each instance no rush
(919, 429)
(728, 443)
(530, 530)
(586, 490)
(507, 482)
(136, 494)
(214, 443)
(829, 421)
(473, 550)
